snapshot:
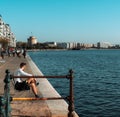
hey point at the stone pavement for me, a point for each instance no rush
(54, 108)
(22, 108)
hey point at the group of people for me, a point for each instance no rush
(21, 84)
(13, 51)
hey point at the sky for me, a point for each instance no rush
(83, 21)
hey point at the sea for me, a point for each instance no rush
(96, 78)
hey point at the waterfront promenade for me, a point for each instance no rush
(54, 108)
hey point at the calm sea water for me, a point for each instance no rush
(96, 82)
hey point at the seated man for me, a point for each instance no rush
(26, 84)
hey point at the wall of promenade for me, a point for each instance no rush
(57, 107)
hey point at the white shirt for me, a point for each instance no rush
(20, 72)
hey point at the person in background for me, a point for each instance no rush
(13, 52)
(2, 53)
(26, 84)
(18, 52)
(24, 53)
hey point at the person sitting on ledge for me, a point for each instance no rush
(25, 84)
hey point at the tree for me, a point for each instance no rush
(4, 42)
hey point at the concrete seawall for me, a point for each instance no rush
(38, 108)
(58, 108)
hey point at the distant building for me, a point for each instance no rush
(72, 45)
(32, 41)
(67, 45)
(51, 44)
(6, 33)
(103, 45)
(63, 45)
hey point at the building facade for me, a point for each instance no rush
(103, 45)
(6, 33)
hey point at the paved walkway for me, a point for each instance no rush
(22, 108)
(54, 108)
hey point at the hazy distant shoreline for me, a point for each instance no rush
(37, 50)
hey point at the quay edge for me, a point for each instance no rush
(58, 108)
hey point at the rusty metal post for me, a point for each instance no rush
(7, 93)
(71, 98)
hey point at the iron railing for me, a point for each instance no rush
(5, 108)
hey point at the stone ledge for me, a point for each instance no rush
(58, 108)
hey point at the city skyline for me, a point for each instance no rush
(85, 21)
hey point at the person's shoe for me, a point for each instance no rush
(37, 83)
(37, 96)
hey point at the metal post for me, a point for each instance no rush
(7, 93)
(2, 104)
(71, 100)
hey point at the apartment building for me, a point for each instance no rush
(6, 33)
(103, 45)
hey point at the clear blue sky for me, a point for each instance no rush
(85, 21)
